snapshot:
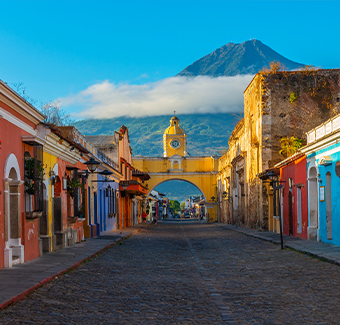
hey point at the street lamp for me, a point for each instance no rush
(124, 185)
(92, 165)
(273, 177)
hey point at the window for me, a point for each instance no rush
(34, 173)
(110, 193)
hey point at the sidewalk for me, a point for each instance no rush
(327, 252)
(20, 280)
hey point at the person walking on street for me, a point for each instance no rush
(144, 217)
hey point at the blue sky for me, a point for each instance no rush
(60, 49)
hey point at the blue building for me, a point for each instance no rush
(323, 175)
(103, 192)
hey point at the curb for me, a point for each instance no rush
(24, 294)
(287, 245)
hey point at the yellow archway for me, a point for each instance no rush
(177, 165)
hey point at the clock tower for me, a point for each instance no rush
(174, 140)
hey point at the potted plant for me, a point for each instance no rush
(81, 211)
(73, 185)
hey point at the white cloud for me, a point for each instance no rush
(186, 95)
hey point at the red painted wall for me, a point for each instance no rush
(11, 143)
(297, 171)
(31, 239)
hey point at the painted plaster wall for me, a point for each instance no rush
(31, 239)
(106, 223)
(189, 164)
(297, 171)
(49, 162)
(335, 198)
(10, 136)
(158, 169)
(15, 113)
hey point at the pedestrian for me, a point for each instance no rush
(144, 217)
(155, 221)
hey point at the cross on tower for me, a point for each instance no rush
(175, 113)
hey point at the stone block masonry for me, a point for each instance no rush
(276, 105)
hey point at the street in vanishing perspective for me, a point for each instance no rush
(188, 273)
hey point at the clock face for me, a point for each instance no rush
(175, 144)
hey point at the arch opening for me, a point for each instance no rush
(313, 198)
(14, 250)
(175, 198)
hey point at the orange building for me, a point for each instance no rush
(21, 174)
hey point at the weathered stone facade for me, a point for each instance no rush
(276, 105)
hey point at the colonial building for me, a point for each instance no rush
(276, 105)
(176, 164)
(61, 223)
(105, 188)
(21, 178)
(292, 197)
(323, 175)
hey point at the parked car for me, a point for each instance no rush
(187, 214)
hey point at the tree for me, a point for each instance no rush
(52, 110)
(55, 115)
(183, 206)
(274, 67)
(290, 145)
(20, 88)
(175, 205)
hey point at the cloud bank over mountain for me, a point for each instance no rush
(186, 95)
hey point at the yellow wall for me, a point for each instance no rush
(200, 171)
(179, 151)
(49, 162)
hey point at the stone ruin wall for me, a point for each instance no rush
(297, 102)
(269, 115)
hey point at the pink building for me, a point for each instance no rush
(19, 209)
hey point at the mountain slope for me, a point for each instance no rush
(207, 134)
(234, 59)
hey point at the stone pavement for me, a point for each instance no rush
(327, 252)
(188, 274)
(20, 280)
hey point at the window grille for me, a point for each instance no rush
(34, 173)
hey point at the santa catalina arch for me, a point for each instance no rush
(176, 164)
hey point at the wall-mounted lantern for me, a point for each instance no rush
(92, 165)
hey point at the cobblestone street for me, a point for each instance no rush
(188, 274)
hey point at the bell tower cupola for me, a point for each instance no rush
(174, 139)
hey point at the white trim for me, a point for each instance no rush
(10, 97)
(12, 162)
(55, 169)
(33, 138)
(17, 122)
(61, 151)
(327, 153)
(310, 229)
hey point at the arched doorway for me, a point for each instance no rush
(58, 238)
(313, 206)
(177, 198)
(14, 250)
